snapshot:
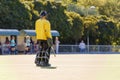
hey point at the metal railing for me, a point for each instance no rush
(90, 49)
(73, 49)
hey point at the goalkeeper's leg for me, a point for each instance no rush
(46, 54)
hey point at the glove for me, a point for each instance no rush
(50, 42)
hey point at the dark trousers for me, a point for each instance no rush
(27, 49)
(44, 52)
(13, 50)
(0, 51)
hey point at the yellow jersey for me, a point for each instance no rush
(43, 28)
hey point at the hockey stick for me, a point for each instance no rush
(53, 51)
(50, 44)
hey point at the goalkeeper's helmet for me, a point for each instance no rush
(43, 13)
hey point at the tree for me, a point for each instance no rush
(76, 27)
(111, 9)
(107, 30)
(72, 18)
(82, 10)
(90, 28)
(58, 19)
(13, 14)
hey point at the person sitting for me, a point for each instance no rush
(12, 45)
(27, 45)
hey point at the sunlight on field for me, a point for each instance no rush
(68, 67)
(7, 71)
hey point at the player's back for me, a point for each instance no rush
(40, 29)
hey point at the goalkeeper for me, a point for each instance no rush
(44, 38)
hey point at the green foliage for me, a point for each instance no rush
(13, 14)
(82, 10)
(74, 19)
(76, 27)
(90, 28)
(105, 28)
(77, 9)
(87, 3)
(111, 8)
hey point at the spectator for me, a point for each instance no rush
(27, 44)
(13, 45)
(82, 46)
(57, 42)
(7, 46)
(0, 48)
(36, 47)
(31, 45)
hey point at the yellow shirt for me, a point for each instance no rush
(43, 28)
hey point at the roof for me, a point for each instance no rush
(33, 33)
(7, 32)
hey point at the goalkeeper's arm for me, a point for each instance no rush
(50, 42)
